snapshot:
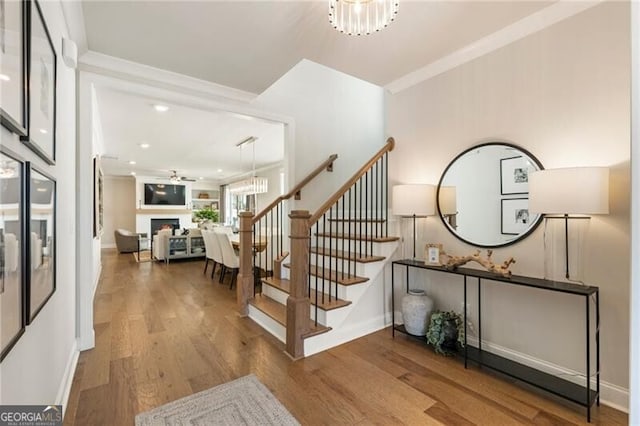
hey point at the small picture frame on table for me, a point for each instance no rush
(432, 253)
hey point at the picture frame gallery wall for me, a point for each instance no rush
(28, 66)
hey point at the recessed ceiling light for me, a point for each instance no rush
(43, 131)
(4, 77)
(161, 108)
(144, 145)
(219, 170)
(132, 162)
(200, 178)
(133, 173)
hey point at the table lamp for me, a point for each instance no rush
(569, 191)
(414, 201)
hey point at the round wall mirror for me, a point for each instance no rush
(483, 195)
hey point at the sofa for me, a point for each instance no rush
(127, 241)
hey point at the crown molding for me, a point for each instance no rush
(526, 26)
(115, 67)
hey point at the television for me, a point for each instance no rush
(164, 194)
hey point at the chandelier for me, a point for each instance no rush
(255, 184)
(250, 186)
(362, 16)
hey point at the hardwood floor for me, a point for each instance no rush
(165, 332)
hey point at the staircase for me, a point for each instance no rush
(331, 289)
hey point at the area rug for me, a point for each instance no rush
(244, 401)
(145, 256)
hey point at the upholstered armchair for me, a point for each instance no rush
(161, 243)
(127, 241)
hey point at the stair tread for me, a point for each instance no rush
(357, 237)
(358, 257)
(278, 312)
(356, 219)
(285, 285)
(335, 276)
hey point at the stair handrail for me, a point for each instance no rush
(326, 165)
(388, 147)
(247, 238)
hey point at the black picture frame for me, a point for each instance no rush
(12, 252)
(515, 218)
(13, 66)
(40, 204)
(514, 176)
(41, 83)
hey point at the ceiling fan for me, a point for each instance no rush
(174, 178)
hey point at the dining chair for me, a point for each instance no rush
(209, 242)
(230, 259)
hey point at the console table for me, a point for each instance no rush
(582, 395)
(184, 246)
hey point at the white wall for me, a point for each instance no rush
(634, 335)
(273, 187)
(333, 113)
(562, 94)
(119, 207)
(39, 367)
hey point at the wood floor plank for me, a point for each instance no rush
(167, 331)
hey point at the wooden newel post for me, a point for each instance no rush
(244, 287)
(298, 302)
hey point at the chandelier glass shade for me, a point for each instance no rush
(358, 17)
(250, 186)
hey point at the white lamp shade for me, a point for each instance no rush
(447, 200)
(418, 200)
(576, 190)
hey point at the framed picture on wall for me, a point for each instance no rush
(215, 205)
(12, 250)
(515, 216)
(13, 96)
(514, 175)
(98, 198)
(40, 239)
(41, 72)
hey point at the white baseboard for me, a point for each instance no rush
(108, 245)
(322, 342)
(610, 394)
(62, 398)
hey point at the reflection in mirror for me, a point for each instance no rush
(483, 195)
(41, 241)
(11, 278)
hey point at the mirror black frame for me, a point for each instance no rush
(444, 220)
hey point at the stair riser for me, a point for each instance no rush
(328, 318)
(379, 249)
(268, 323)
(275, 293)
(361, 269)
(356, 228)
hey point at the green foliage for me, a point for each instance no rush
(436, 333)
(206, 213)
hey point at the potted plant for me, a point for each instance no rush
(445, 332)
(205, 214)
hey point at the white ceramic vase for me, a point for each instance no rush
(416, 311)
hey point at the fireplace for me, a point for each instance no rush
(156, 224)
